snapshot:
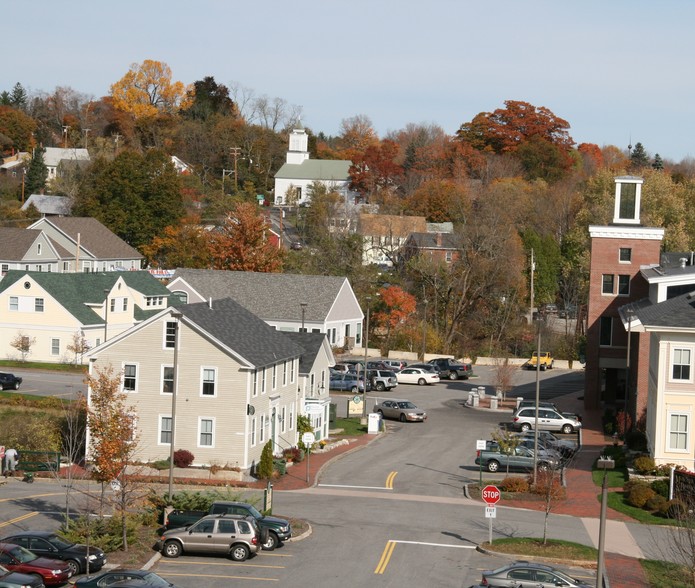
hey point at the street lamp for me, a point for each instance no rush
(176, 314)
(366, 348)
(628, 314)
(424, 330)
(604, 463)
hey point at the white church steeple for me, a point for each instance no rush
(299, 145)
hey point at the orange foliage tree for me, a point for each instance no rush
(376, 170)
(395, 307)
(242, 243)
(184, 245)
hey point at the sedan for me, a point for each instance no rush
(9, 381)
(403, 410)
(49, 544)
(141, 577)
(411, 375)
(18, 559)
(10, 579)
(523, 573)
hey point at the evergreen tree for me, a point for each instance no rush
(18, 97)
(37, 173)
(658, 162)
(639, 157)
(5, 98)
(265, 466)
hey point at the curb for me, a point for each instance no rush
(303, 536)
(153, 560)
(582, 563)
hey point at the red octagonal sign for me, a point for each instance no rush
(491, 494)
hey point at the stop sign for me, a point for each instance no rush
(491, 494)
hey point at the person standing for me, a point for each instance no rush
(11, 460)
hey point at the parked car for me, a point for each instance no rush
(549, 309)
(48, 544)
(10, 579)
(548, 419)
(411, 375)
(341, 367)
(428, 367)
(520, 458)
(377, 365)
(395, 364)
(347, 382)
(546, 361)
(144, 578)
(524, 573)
(566, 447)
(233, 535)
(568, 311)
(274, 530)
(403, 410)
(296, 245)
(17, 559)
(10, 381)
(382, 379)
(550, 405)
(452, 369)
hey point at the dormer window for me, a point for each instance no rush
(628, 193)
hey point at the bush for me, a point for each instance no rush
(661, 487)
(676, 509)
(105, 532)
(293, 454)
(639, 495)
(636, 441)
(644, 465)
(514, 485)
(183, 458)
(634, 483)
(265, 468)
(656, 503)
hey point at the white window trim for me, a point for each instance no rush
(200, 431)
(16, 304)
(53, 340)
(615, 282)
(688, 417)
(164, 335)
(261, 433)
(202, 381)
(622, 261)
(274, 377)
(671, 363)
(284, 373)
(160, 430)
(253, 432)
(291, 416)
(263, 381)
(283, 420)
(293, 371)
(254, 384)
(137, 376)
(161, 381)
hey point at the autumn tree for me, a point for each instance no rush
(113, 440)
(357, 134)
(147, 89)
(17, 127)
(440, 201)
(23, 343)
(242, 243)
(395, 307)
(375, 172)
(186, 244)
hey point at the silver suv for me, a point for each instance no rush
(233, 535)
(548, 420)
(382, 379)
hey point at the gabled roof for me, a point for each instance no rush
(14, 243)
(54, 155)
(268, 296)
(311, 343)
(241, 331)
(46, 204)
(77, 291)
(429, 241)
(676, 313)
(316, 169)
(391, 225)
(94, 237)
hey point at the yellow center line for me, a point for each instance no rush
(17, 519)
(32, 496)
(223, 577)
(385, 557)
(389, 480)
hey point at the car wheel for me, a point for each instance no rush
(402, 418)
(16, 385)
(453, 375)
(380, 386)
(354, 389)
(567, 429)
(543, 368)
(421, 382)
(239, 552)
(74, 567)
(271, 541)
(172, 549)
(493, 465)
(525, 427)
(543, 467)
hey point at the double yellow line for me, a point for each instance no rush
(385, 557)
(389, 480)
(17, 519)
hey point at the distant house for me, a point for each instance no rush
(48, 205)
(384, 236)
(294, 178)
(53, 156)
(181, 166)
(442, 247)
(51, 308)
(288, 302)
(14, 165)
(236, 382)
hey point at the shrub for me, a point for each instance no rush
(661, 487)
(644, 465)
(634, 483)
(183, 458)
(293, 454)
(543, 481)
(105, 532)
(514, 485)
(265, 467)
(656, 503)
(636, 441)
(639, 495)
(676, 509)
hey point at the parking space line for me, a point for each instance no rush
(389, 480)
(360, 487)
(17, 519)
(435, 544)
(222, 577)
(31, 496)
(385, 557)
(245, 564)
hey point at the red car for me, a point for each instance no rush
(17, 559)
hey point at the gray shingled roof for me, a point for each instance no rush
(243, 332)
(268, 296)
(311, 343)
(52, 156)
(94, 237)
(14, 243)
(48, 204)
(75, 291)
(429, 241)
(678, 312)
(316, 169)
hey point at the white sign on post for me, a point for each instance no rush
(308, 439)
(480, 444)
(490, 512)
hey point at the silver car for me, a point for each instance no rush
(548, 420)
(524, 573)
(403, 410)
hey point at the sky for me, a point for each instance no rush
(619, 71)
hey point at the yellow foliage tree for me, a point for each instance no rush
(147, 90)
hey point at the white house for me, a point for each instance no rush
(53, 156)
(235, 380)
(294, 178)
(288, 302)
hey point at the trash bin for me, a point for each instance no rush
(332, 412)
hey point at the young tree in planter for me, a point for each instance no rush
(23, 343)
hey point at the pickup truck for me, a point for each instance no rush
(519, 458)
(546, 361)
(452, 369)
(278, 530)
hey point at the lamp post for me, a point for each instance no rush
(628, 313)
(106, 312)
(366, 348)
(538, 398)
(424, 330)
(303, 305)
(176, 314)
(605, 464)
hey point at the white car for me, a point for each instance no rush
(418, 376)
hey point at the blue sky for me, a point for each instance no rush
(614, 69)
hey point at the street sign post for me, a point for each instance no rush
(480, 445)
(308, 439)
(491, 495)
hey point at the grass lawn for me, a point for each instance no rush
(616, 501)
(663, 573)
(36, 365)
(553, 548)
(616, 478)
(351, 427)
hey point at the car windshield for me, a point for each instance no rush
(153, 579)
(22, 555)
(406, 405)
(58, 542)
(254, 512)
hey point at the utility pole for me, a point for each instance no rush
(86, 134)
(116, 138)
(65, 136)
(533, 267)
(236, 152)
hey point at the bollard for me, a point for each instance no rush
(476, 399)
(518, 401)
(493, 403)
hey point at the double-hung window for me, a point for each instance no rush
(38, 304)
(209, 379)
(130, 372)
(623, 285)
(165, 430)
(207, 437)
(607, 284)
(14, 302)
(167, 379)
(275, 376)
(681, 359)
(170, 335)
(677, 432)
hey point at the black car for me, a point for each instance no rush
(48, 544)
(143, 578)
(10, 579)
(9, 381)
